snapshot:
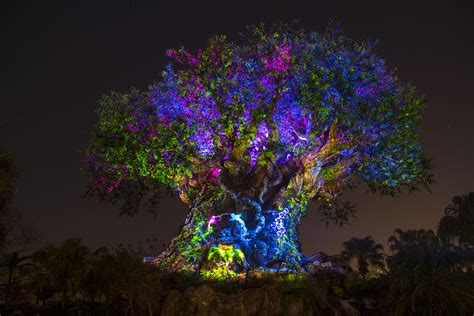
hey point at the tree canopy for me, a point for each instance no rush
(320, 104)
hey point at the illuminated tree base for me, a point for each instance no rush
(232, 243)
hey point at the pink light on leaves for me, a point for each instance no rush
(280, 61)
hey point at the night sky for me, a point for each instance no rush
(58, 60)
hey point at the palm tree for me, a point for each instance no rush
(7, 175)
(365, 252)
(411, 237)
(65, 264)
(95, 283)
(15, 264)
(41, 276)
(457, 225)
(151, 289)
(424, 276)
(125, 274)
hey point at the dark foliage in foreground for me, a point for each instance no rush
(422, 277)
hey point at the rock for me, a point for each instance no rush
(295, 308)
(271, 303)
(171, 304)
(347, 309)
(369, 304)
(265, 301)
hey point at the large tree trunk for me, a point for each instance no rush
(265, 236)
(256, 212)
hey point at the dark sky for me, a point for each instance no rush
(58, 60)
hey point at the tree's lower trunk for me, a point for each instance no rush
(65, 298)
(127, 309)
(130, 303)
(363, 267)
(150, 310)
(9, 283)
(267, 238)
(73, 292)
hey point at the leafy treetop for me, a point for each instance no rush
(278, 96)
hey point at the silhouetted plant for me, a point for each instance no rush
(457, 224)
(365, 252)
(424, 276)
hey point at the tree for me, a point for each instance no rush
(126, 277)
(15, 264)
(247, 133)
(40, 276)
(95, 282)
(8, 174)
(61, 267)
(411, 237)
(150, 292)
(457, 224)
(365, 252)
(425, 276)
